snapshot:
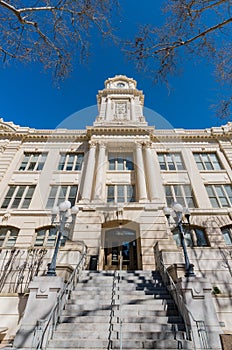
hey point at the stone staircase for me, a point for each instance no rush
(127, 310)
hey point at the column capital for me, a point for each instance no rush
(102, 144)
(139, 144)
(148, 144)
(92, 144)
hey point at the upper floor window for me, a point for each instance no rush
(207, 161)
(121, 161)
(170, 161)
(220, 195)
(71, 161)
(8, 236)
(18, 197)
(120, 193)
(194, 237)
(46, 237)
(59, 194)
(33, 161)
(227, 234)
(182, 194)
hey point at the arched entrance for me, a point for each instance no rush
(121, 249)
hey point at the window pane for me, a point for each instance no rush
(61, 162)
(130, 193)
(8, 197)
(40, 236)
(28, 197)
(110, 193)
(120, 194)
(72, 195)
(227, 236)
(120, 162)
(80, 157)
(201, 238)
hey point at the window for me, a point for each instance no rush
(59, 194)
(46, 237)
(182, 194)
(8, 236)
(33, 161)
(227, 234)
(207, 161)
(220, 196)
(194, 236)
(71, 161)
(121, 161)
(18, 197)
(120, 193)
(170, 161)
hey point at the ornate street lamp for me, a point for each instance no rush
(64, 213)
(178, 211)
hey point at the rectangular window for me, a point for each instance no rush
(18, 197)
(171, 161)
(207, 161)
(33, 161)
(60, 193)
(120, 161)
(120, 193)
(220, 196)
(47, 237)
(71, 161)
(182, 194)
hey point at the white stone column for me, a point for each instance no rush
(100, 173)
(150, 172)
(108, 108)
(141, 181)
(133, 109)
(89, 174)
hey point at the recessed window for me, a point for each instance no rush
(220, 196)
(8, 236)
(46, 237)
(207, 161)
(171, 161)
(194, 237)
(18, 197)
(182, 194)
(71, 161)
(121, 161)
(120, 193)
(120, 85)
(59, 194)
(227, 235)
(33, 161)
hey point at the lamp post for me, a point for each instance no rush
(64, 213)
(178, 210)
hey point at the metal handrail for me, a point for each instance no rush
(184, 310)
(45, 328)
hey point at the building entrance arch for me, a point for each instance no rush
(121, 249)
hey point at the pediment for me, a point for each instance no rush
(7, 126)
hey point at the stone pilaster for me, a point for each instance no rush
(141, 181)
(100, 173)
(89, 174)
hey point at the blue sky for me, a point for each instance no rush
(28, 96)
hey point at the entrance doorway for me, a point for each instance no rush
(120, 249)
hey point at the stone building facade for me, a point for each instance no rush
(121, 173)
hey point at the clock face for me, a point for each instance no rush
(120, 85)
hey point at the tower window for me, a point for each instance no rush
(33, 161)
(18, 197)
(121, 161)
(71, 161)
(220, 196)
(182, 194)
(120, 193)
(59, 194)
(170, 161)
(207, 161)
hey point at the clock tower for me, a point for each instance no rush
(120, 103)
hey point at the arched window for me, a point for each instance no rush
(227, 234)
(194, 237)
(8, 236)
(47, 236)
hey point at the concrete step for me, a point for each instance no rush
(103, 334)
(128, 344)
(127, 327)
